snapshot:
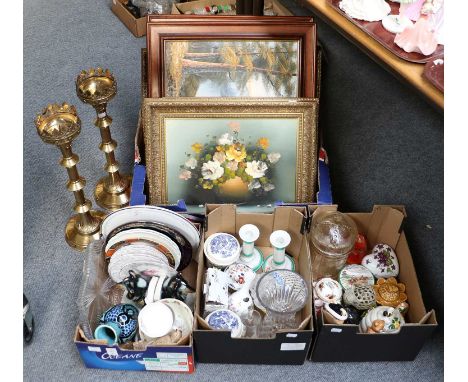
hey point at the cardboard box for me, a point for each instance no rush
(344, 343)
(97, 354)
(181, 8)
(134, 25)
(288, 347)
(138, 25)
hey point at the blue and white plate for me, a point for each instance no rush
(223, 319)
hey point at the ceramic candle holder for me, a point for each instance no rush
(279, 240)
(250, 255)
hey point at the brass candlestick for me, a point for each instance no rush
(97, 87)
(59, 125)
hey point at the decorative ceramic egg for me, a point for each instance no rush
(382, 261)
(362, 297)
(390, 316)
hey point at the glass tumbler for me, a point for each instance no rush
(333, 238)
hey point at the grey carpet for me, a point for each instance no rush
(385, 146)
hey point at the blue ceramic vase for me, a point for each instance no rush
(118, 324)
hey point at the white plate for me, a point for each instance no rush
(146, 234)
(152, 214)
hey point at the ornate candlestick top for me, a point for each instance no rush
(58, 124)
(96, 86)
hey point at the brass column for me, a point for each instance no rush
(59, 125)
(97, 87)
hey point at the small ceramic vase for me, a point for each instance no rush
(222, 249)
(389, 292)
(390, 316)
(241, 302)
(382, 261)
(338, 314)
(279, 240)
(328, 290)
(223, 319)
(355, 275)
(117, 324)
(362, 297)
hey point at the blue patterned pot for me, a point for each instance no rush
(120, 321)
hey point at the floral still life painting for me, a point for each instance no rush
(253, 152)
(235, 161)
(231, 166)
(230, 68)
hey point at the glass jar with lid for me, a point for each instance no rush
(333, 236)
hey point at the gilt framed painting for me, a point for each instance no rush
(243, 151)
(247, 58)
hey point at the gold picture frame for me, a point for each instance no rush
(289, 125)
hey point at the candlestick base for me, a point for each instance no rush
(78, 239)
(113, 197)
(253, 261)
(270, 265)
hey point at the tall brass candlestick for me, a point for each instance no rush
(97, 87)
(59, 125)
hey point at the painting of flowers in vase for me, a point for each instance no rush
(249, 161)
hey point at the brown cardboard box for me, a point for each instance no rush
(181, 8)
(176, 358)
(344, 343)
(134, 25)
(288, 347)
(138, 26)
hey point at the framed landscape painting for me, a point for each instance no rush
(251, 152)
(247, 58)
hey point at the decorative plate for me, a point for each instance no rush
(151, 214)
(184, 245)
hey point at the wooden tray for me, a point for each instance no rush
(435, 73)
(385, 38)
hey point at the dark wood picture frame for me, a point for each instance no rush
(173, 28)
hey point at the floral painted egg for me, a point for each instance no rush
(382, 261)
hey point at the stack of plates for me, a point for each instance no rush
(148, 240)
